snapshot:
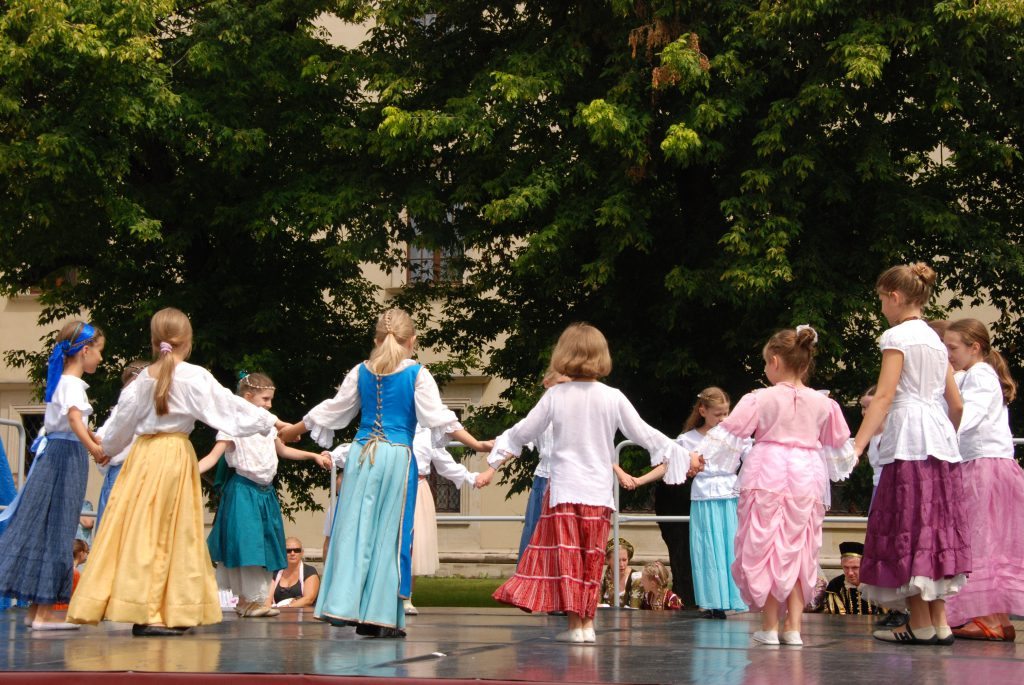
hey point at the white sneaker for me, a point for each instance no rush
(791, 637)
(54, 625)
(572, 635)
(766, 637)
(410, 610)
(589, 635)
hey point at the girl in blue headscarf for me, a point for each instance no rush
(36, 557)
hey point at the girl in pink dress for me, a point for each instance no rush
(800, 441)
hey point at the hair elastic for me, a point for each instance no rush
(166, 347)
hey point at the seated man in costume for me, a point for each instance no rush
(842, 595)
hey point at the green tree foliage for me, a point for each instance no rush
(200, 155)
(690, 176)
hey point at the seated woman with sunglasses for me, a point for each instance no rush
(297, 585)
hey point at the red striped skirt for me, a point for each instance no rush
(561, 567)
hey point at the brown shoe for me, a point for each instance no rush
(976, 630)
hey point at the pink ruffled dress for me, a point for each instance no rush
(801, 440)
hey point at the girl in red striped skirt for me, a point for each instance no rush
(561, 568)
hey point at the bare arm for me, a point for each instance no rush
(83, 433)
(657, 473)
(888, 379)
(462, 435)
(310, 589)
(323, 459)
(211, 459)
(953, 399)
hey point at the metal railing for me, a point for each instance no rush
(22, 441)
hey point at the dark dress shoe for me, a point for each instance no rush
(392, 633)
(707, 613)
(368, 630)
(142, 630)
(719, 614)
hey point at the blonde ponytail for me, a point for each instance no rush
(394, 330)
(171, 337)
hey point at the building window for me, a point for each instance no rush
(430, 265)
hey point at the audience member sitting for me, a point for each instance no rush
(842, 596)
(630, 590)
(297, 585)
(657, 584)
(816, 602)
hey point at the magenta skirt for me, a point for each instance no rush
(994, 499)
(917, 527)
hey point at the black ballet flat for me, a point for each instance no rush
(142, 630)
(392, 633)
(707, 613)
(719, 614)
(368, 630)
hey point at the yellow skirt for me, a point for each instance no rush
(149, 562)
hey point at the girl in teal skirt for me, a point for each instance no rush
(247, 539)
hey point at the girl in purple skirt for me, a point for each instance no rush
(917, 550)
(993, 488)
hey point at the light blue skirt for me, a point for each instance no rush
(363, 573)
(712, 532)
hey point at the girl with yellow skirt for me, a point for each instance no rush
(149, 563)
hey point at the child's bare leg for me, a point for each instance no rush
(794, 609)
(921, 612)
(33, 610)
(770, 614)
(575, 621)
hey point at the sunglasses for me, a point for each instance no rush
(293, 550)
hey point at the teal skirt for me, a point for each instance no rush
(363, 575)
(712, 534)
(248, 530)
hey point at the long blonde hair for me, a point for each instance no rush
(394, 330)
(172, 327)
(708, 398)
(973, 331)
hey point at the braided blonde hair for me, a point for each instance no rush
(394, 331)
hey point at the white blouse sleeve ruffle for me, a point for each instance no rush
(340, 454)
(70, 394)
(431, 411)
(722, 450)
(334, 413)
(839, 461)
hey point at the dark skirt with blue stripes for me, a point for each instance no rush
(248, 530)
(36, 549)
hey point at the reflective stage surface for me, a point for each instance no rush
(505, 644)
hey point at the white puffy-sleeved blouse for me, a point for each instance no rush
(918, 424)
(709, 484)
(195, 395)
(584, 417)
(985, 426)
(116, 459)
(336, 413)
(253, 457)
(445, 465)
(69, 394)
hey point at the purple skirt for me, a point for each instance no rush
(917, 526)
(994, 496)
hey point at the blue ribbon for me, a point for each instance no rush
(63, 350)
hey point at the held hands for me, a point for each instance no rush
(324, 460)
(485, 446)
(627, 481)
(696, 465)
(483, 479)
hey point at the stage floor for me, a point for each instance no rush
(506, 644)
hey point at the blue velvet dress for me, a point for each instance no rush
(368, 570)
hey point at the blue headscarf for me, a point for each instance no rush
(64, 349)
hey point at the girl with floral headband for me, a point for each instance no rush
(149, 565)
(247, 540)
(36, 557)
